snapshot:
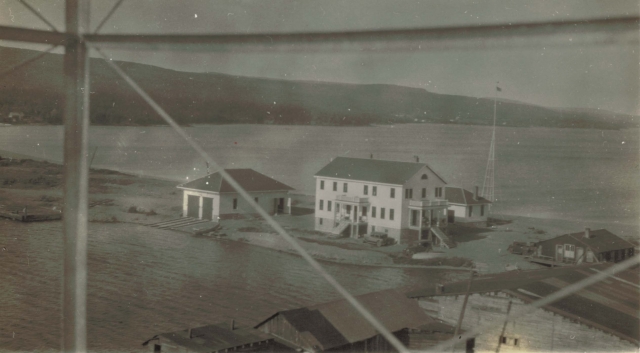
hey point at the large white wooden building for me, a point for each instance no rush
(403, 199)
(212, 197)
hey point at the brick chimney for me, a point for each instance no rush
(476, 194)
(587, 233)
(439, 288)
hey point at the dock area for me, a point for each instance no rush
(31, 214)
(545, 262)
(188, 225)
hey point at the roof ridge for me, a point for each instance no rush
(579, 240)
(381, 160)
(388, 160)
(434, 172)
(615, 235)
(220, 181)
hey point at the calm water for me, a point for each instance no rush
(586, 175)
(144, 281)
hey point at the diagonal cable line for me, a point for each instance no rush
(38, 14)
(619, 279)
(6, 73)
(529, 308)
(108, 16)
(605, 30)
(314, 264)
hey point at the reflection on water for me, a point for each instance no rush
(576, 174)
(144, 281)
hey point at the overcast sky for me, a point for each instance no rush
(571, 74)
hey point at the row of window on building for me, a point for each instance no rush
(374, 210)
(408, 193)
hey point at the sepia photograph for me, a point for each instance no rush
(221, 176)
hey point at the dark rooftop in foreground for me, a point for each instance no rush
(337, 323)
(249, 179)
(216, 337)
(372, 170)
(611, 305)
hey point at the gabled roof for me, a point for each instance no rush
(611, 305)
(216, 337)
(337, 323)
(600, 240)
(249, 179)
(318, 327)
(372, 170)
(461, 196)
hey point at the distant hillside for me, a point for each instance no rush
(220, 99)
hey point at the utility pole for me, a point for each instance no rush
(76, 178)
(489, 183)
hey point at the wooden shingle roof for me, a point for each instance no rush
(600, 240)
(249, 179)
(372, 170)
(337, 323)
(460, 196)
(216, 337)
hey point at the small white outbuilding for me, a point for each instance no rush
(212, 197)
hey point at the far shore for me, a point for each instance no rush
(371, 125)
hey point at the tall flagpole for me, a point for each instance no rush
(489, 183)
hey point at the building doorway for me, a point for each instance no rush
(451, 216)
(579, 255)
(193, 206)
(280, 205)
(559, 253)
(207, 208)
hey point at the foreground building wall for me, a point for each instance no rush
(478, 212)
(197, 211)
(266, 200)
(539, 331)
(230, 205)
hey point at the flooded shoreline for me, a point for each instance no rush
(143, 281)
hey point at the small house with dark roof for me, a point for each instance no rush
(216, 338)
(589, 246)
(405, 200)
(466, 206)
(337, 326)
(603, 317)
(212, 197)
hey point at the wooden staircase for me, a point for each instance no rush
(444, 239)
(341, 227)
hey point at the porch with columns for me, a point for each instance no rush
(352, 209)
(425, 214)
